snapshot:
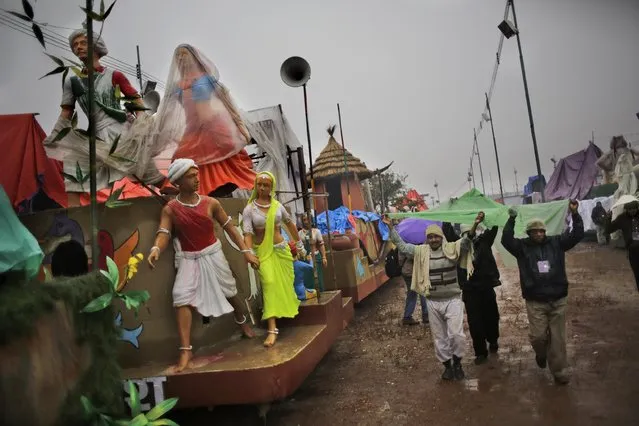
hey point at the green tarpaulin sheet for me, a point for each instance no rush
(464, 209)
(19, 250)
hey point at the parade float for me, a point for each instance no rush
(234, 370)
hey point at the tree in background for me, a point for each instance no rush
(394, 188)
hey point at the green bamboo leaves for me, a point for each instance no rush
(152, 418)
(99, 17)
(132, 299)
(79, 177)
(28, 17)
(113, 201)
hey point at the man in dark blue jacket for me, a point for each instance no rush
(544, 286)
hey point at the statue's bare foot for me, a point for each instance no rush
(247, 331)
(186, 354)
(271, 338)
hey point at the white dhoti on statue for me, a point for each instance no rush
(446, 319)
(204, 280)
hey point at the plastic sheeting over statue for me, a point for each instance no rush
(199, 120)
(619, 165)
(277, 146)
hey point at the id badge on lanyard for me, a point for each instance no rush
(543, 266)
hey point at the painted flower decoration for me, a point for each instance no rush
(132, 266)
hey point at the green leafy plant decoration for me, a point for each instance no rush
(132, 299)
(151, 418)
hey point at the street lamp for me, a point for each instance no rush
(509, 29)
(437, 189)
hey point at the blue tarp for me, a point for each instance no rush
(339, 221)
(533, 185)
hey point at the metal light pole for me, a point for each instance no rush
(296, 72)
(472, 172)
(341, 134)
(481, 170)
(490, 118)
(508, 30)
(437, 190)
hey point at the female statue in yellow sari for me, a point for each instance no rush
(262, 219)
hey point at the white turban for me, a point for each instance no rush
(179, 167)
(98, 42)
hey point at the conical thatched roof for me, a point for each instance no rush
(330, 162)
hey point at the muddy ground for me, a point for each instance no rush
(382, 373)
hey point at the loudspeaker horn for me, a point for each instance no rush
(295, 71)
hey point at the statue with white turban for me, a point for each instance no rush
(204, 282)
(133, 151)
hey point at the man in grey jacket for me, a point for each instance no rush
(445, 306)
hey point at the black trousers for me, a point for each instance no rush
(633, 257)
(483, 317)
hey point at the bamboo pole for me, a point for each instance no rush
(92, 153)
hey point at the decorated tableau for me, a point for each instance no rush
(128, 230)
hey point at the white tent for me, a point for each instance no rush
(276, 151)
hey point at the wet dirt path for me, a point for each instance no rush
(381, 373)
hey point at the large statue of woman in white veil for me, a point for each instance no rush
(199, 119)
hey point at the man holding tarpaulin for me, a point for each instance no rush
(435, 277)
(478, 290)
(544, 286)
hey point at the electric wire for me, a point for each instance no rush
(57, 40)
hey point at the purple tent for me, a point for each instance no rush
(574, 176)
(413, 230)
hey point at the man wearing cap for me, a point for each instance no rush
(204, 280)
(544, 286)
(478, 291)
(628, 223)
(435, 277)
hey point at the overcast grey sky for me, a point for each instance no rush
(410, 75)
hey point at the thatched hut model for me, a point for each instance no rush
(331, 176)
